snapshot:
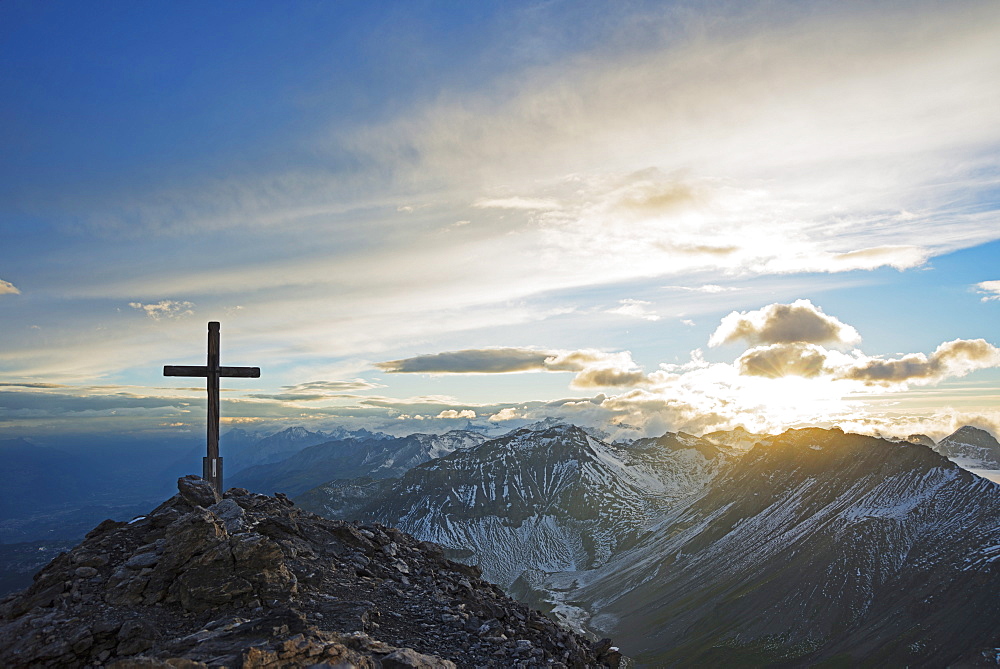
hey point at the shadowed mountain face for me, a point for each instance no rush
(815, 546)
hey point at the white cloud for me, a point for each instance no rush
(507, 413)
(452, 413)
(799, 322)
(7, 288)
(711, 288)
(951, 359)
(989, 289)
(165, 309)
(635, 309)
(470, 361)
(594, 368)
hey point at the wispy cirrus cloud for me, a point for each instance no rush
(635, 309)
(35, 385)
(315, 391)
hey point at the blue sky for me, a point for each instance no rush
(646, 216)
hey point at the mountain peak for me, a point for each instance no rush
(252, 580)
(545, 424)
(967, 431)
(971, 447)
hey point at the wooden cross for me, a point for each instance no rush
(212, 464)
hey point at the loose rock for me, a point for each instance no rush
(254, 581)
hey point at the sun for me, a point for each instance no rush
(790, 401)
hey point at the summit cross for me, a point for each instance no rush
(212, 464)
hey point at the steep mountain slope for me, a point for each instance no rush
(545, 498)
(377, 457)
(815, 546)
(251, 581)
(971, 447)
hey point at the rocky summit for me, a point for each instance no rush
(250, 580)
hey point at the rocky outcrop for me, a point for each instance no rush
(253, 581)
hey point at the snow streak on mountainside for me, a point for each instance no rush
(546, 498)
(971, 447)
(814, 546)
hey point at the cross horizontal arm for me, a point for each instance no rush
(181, 370)
(245, 372)
(202, 370)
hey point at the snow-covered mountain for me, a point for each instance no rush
(971, 447)
(812, 546)
(377, 456)
(545, 497)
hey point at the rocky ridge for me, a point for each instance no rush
(253, 581)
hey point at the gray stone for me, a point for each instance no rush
(407, 658)
(197, 491)
(231, 515)
(142, 560)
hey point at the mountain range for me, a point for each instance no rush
(377, 456)
(241, 449)
(809, 547)
(813, 547)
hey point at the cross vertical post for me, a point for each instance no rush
(212, 463)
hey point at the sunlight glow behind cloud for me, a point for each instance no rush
(579, 206)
